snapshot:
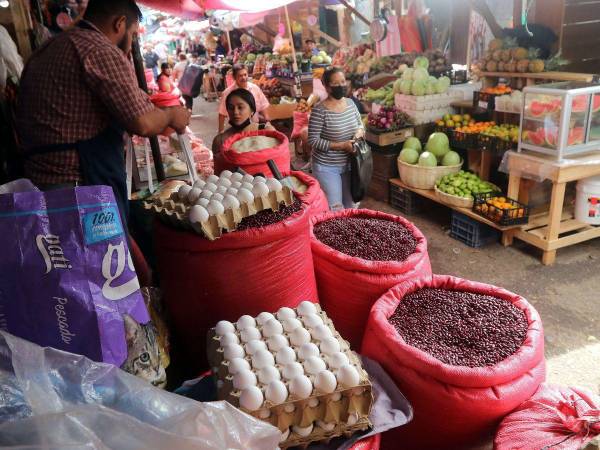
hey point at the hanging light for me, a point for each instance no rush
(4, 4)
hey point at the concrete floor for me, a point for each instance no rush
(566, 295)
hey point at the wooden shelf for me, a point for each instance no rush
(430, 194)
(552, 76)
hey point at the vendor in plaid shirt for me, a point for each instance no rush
(79, 94)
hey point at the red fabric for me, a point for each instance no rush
(370, 443)
(187, 9)
(165, 100)
(555, 417)
(314, 196)
(244, 272)
(255, 162)
(348, 286)
(453, 405)
(300, 122)
(409, 33)
(142, 269)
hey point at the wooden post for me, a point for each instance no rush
(355, 11)
(22, 24)
(289, 26)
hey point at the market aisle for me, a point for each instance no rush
(204, 121)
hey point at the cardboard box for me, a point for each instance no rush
(393, 137)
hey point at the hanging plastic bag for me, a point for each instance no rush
(361, 164)
(57, 400)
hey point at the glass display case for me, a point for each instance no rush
(561, 119)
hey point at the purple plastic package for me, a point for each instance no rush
(67, 275)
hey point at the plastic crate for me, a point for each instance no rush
(470, 232)
(404, 200)
(519, 214)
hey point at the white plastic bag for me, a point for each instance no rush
(52, 399)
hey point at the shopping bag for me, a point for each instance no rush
(67, 274)
(361, 169)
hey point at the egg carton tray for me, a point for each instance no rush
(416, 103)
(176, 213)
(347, 408)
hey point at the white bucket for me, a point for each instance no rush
(587, 201)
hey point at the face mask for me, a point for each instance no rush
(241, 126)
(338, 92)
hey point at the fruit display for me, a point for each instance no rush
(505, 132)
(467, 133)
(464, 184)
(321, 58)
(457, 121)
(502, 210)
(387, 119)
(271, 87)
(292, 369)
(303, 106)
(436, 152)
(460, 328)
(548, 136)
(501, 89)
(417, 81)
(383, 96)
(511, 103)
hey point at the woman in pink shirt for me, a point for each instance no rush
(240, 74)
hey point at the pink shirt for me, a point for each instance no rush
(261, 100)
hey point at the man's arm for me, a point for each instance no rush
(155, 121)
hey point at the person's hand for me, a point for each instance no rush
(360, 133)
(180, 118)
(349, 147)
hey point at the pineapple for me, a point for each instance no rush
(495, 44)
(523, 66)
(519, 53)
(505, 56)
(497, 55)
(536, 66)
(510, 66)
(491, 66)
(501, 66)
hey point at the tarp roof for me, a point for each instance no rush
(187, 9)
(194, 9)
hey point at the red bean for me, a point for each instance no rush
(269, 217)
(367, 238)
(460, 328)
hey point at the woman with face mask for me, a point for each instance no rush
(334, 124)
(241, 108)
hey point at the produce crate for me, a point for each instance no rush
(460, 139)
(492, 143)
(389, 138)
(384, 168)
(470, 232)
(404, 200)
(484, 100)
(504, 217)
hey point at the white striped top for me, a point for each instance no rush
(327, 126)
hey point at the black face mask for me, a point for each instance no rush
(338, 92)
(241, 126)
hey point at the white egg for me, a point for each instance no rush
(277, 342)
(236, 176)
(262, 358)
(245, 196)
(248, 186)
(183, 191)
(228, 338)
(306, 307)
(226, 174)
(212, 179)
(236, 185)
(313, 402)
(321, 332)
(292, 370)
(237, 364)
(274, 185)
(250, 334)
(291, 324)
(299, 336)
(307, 350)
(327, 426)
(198, 214)
(221, 190)
(264, 414)
(276, 392)
(337, 360)
(302, 431)
(230, 202)
(259, 179)
(247, 178)
(224, 326)
(285, 313)
(260, 190)
(348, 376)
(231, 351)
(352, 418)
(272, 327)
(215, 207)
(313, 365)
(217, 197)
(251, 398)
(254, 345)
(243, 379)
(312, 320)
(199, 184)
(330, 345)
(285, 435)
(336, 396)
(193, 195)
(285, 356)
(224, 183)
(268, 374)
(264, 317)
(245, 321)
(203, 202)
(206, 194)
(212, 187)
(325, 382)
(232, 191)
(301, 386)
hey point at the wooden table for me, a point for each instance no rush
(547, 231)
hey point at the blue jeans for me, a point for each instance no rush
(335, 182)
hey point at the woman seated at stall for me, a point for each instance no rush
(164, 81)
(241, 107)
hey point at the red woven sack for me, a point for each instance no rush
(244, 272)
(256, 162)
(453, 406)
(300, 122)
(314, 196)
(348, 286)
(165, 100)
(557, 418)
(370, 443)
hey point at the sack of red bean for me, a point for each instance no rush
(556, 417)
(309, 191)
(464, 353)
(263, 265)
(358, 256)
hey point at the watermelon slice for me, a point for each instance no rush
(580, 103)
(576, 136)
(551, 136)
(553, 106)
(596, 103)
(537, 137)
(537, 109)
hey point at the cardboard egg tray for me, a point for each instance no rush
(176, 212)
(337, 407)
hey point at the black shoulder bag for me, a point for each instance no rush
(361, 169)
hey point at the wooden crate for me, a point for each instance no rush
(281, 111)
(384, 168)
(394, 137)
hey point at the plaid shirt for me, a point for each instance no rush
(72, 88)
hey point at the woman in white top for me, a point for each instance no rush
(180, 67)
